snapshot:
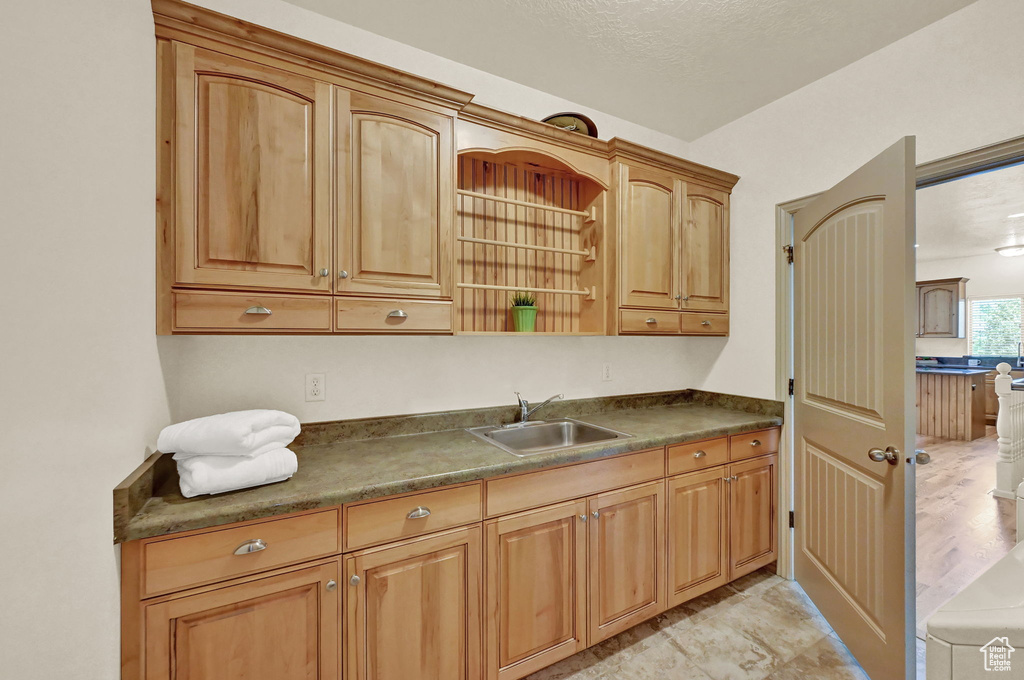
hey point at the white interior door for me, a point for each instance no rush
(854, 312)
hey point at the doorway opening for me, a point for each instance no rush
(948, 492)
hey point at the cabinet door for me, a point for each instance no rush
(252, 182)
(627, 554)
(648, 218)
(698, 545)
(705, 250)
(283, 627)
(938, 306)
(413, 609)
(752, 503)
(536, 589)
(395, 198)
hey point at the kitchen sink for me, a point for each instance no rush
(543, 436)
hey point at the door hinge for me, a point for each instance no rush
(788, 250)
(792, 519)
(792, 387)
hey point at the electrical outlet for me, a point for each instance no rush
(316, 386)
(606, 373)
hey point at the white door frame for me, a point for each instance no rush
(991, 157)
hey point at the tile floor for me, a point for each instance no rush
(761, 626)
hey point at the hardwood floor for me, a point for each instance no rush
(961, 527)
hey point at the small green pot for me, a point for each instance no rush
(524, 319)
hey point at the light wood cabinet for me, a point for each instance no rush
(673, 254)
(413, 609)
(698, 534)
(650, 205)
(536, 589)
(753, 540)
(941, 308)
(283, 627)
(705, 250)
(395, 197)
(627, 548)
(251, 185)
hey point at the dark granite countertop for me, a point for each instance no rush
(946, 370)
(336, 466)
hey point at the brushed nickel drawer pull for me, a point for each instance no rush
(419, 513)
(596, 514)
(651, 319)
(258, 309)
(255, 545)
(699, 454)
(583, 518)
(343, 274)
(325, 272)
(354, 581)
(756, 442)
(397, 314)
(331, 586)
(705, 322)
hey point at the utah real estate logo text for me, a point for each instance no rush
(997, 654)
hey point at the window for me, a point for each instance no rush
(995, 325)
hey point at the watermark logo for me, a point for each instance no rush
(997, 654)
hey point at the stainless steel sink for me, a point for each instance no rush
(531, 438)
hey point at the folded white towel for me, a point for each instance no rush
(218, 474)
(241, 433)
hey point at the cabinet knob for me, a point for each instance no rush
(733, 478)
(583, 518)
(255, 545)
(258, 309)
(325, 272)
(397, 314)
(354, 581)
(332, 585)
(651, 320)
(686, 298)
(595, 514)
(699, 454)
(726, 479)
(418, 513)
(705, 322)
(679, 297)
(343, 274)
(756, 442)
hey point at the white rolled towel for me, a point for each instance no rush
(240, 433)
(218, 474)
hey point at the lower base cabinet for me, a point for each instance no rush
(536, 590)
(413, 609)
(698, 534)
(627, 550)
(282, 627)
(753, 533)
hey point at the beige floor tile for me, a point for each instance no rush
(663, 661)
(725, 653)
(777, 627)
(758, 582)
(582, 666)
(711, 604)
(827, 660)
(623, 647)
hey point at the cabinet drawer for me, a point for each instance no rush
(177, 563)
(394, 316)
(696, 323)
(640, 321)
(752, 444)
(530, 490)
(383, 521)
(697, 455)
(205, 311)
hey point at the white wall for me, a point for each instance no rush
(380, 376)
(81, 389)
(989, 275)
(955, 84)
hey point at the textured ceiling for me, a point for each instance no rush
(971, 216)
(684, 67)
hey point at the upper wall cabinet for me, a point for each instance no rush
(649, 238)
(941, 308)
(705, 250)
(252, 181)
(395, 197)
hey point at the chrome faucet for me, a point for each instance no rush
(524, 407)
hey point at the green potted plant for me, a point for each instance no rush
(524, 312)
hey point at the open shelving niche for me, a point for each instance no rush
(528, 222)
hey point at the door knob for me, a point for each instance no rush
(921, 457)
(890, 454)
